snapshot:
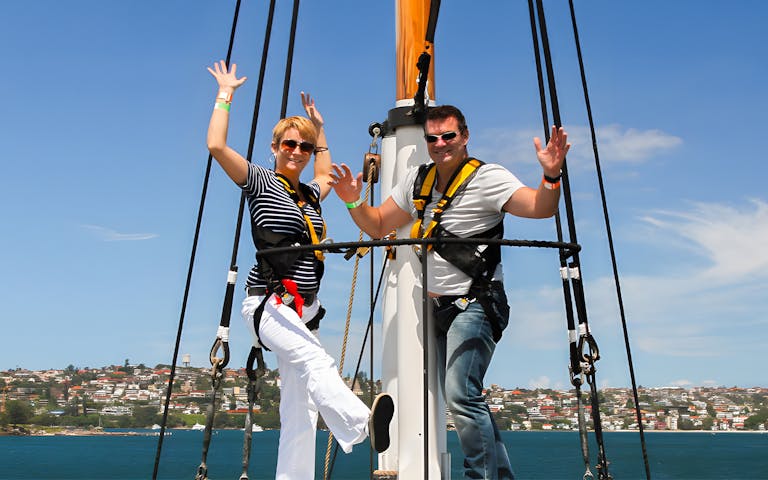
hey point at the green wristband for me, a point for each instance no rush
(222, 106)
(355, 204)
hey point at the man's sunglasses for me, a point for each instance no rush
(290, 145)
(445, 136)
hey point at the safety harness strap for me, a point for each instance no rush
(422, 195)
(314, 202)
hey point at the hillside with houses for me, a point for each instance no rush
(133, 396)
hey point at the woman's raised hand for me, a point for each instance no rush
(312, 112)
(227, 78)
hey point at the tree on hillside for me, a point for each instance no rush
(754, 421)
(145, 416)
(18, 412)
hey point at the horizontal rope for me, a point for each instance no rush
(339, 247)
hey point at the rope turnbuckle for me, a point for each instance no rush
(577, 377)
(221, 342)
(217, 367)
(602, 474)
(594, 352)
(202, 472)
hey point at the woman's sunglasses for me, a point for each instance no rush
(445, 136)
(290, 145)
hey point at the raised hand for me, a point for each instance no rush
(346, 186)
(312, 112)
(227, 79)
(553, 155)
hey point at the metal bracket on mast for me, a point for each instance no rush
(419, 110)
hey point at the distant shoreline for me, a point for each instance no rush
(80, 432)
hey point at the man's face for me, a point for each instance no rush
(445, 149)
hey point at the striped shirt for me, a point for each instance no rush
(273, 208)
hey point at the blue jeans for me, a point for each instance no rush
(463, 356)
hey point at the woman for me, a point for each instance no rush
(282, 290)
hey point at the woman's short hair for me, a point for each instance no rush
(304, 125)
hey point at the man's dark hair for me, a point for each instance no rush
(442, 112)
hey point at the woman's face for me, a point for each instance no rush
(292, 153)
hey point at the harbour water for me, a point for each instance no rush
(534, 455)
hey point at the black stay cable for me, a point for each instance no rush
(222, 336)
(289, 59)
(574, 273)
(575, 365)
(558, 225)
(229, 294)
(255, 119)
(255, 355)
(190, 269)
(610, 238)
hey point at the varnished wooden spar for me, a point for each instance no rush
(412, 22)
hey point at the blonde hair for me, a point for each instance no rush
(304, 125)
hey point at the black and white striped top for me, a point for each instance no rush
(272, 207)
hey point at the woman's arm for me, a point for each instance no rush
(234, 164)
(322, 152)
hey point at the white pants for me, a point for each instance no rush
(310, 382)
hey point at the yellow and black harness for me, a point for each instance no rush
(314, 202)
(274, 268)
(475, 261)
(467, 258)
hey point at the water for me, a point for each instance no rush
(535, 455)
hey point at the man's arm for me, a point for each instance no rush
(375, 221)
(529, 203)
(542, 202)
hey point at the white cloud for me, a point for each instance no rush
(706, 305)
(663, 343)
(629, 145)
(514, 148)
(109, 235)
(731, 239)
(539, 382)
(681, 383)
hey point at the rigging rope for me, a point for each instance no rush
(254, 377)
(190, 269)
(343, 355)
(575, 367)
(610, 238)
(222, 337)
(256, 354)
(581, 365)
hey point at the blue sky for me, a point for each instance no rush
(103, 131)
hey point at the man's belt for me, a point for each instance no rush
(460, 301)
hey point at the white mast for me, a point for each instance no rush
(403, 147)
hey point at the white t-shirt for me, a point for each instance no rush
(474, 210)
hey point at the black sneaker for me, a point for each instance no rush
(378, 424)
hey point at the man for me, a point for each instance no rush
(456, 196)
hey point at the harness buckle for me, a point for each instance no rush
(463, 302)
(287, 298)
